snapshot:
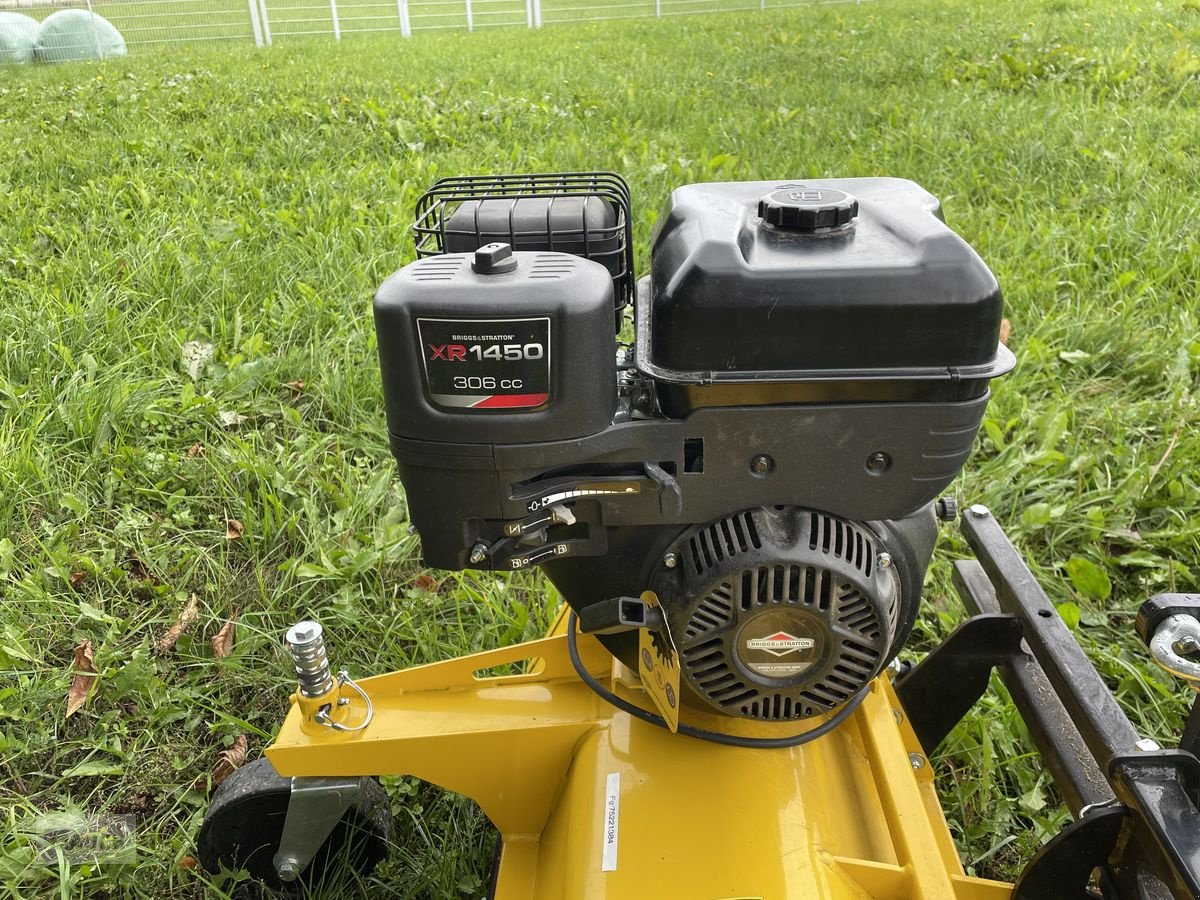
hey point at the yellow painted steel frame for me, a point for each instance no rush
(593, 803)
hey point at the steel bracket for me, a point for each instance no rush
(941, 689)
(316, 806)
(1162, 787)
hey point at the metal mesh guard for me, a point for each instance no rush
(439, 228)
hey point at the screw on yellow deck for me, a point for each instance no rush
(846, 817)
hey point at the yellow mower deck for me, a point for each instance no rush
(593, 803)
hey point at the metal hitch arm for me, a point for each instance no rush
(1135, 804)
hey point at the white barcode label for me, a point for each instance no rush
(612, 822)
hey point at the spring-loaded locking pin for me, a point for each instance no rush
(306, 643)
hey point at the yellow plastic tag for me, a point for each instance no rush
(658, 665)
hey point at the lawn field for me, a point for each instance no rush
(252, 200)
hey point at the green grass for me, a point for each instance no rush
(252, 200)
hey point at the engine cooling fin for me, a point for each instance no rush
(780, 614)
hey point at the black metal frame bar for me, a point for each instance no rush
(1137, 810)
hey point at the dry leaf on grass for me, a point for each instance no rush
(196, 450)
(222, 641)
(138, 570)
(140, 805)
(228, 762)
(296, 387)
(1005, 331)
(234, 529)
(78, 578)
(85, 677)
(426, 582)
(187, 862)
(187, 618)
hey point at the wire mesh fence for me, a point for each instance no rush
(264, 22)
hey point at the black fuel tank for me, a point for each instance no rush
(815, 291)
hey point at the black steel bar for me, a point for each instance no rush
(1159, 789)
(1101, 723)
(1076, 776)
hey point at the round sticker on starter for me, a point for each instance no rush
(780, 643)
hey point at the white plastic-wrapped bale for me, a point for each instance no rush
(77, 34)
(18, 34)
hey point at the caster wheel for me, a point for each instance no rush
(244, 825)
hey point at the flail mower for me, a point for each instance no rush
(739, 507)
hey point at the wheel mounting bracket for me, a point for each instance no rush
(316, 805)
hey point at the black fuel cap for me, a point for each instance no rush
(800, 208)
(494, 259)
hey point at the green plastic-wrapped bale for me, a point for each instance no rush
(77, 34)
(18, 34)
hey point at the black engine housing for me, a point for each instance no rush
(810, 368)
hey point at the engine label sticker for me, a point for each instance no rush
(486, 364)
(612, 822)
(780, 643)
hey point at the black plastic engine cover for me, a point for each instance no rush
(820, 458)
(520, 351)
(823, 345)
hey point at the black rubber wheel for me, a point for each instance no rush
(244, 824)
